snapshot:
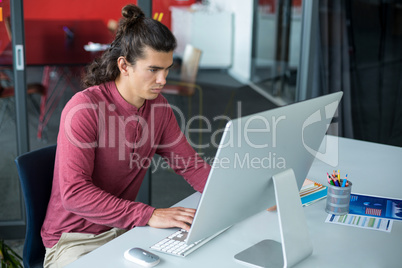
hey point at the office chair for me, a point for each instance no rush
(188, 74)
(7, 93)
(6, 88)
(35, 171)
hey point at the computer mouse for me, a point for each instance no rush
(141, 257)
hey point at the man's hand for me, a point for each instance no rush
(172, 217)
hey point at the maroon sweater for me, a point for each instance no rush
(104, 148)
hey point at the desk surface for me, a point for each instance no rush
(374, 170)
(47, 42)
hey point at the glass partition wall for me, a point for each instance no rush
(277, 38)
(13, 124)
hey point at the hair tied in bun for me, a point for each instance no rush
(132, 12)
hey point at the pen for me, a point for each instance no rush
(339, 177)
(330, 181)
(336, 183)
(344, 182)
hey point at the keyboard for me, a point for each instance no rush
(175, 244)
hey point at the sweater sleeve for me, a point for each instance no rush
(77, 142)
(182, 158)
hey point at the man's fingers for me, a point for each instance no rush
(183, 225)
(172, 217)
(185, 219)
(189, 211)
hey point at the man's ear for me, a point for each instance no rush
(123, 66)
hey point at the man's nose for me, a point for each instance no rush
(161, 78)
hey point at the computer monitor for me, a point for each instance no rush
(263, 160)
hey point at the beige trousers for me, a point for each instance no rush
(71, 246)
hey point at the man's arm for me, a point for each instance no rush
(75, 160)
(182, 158)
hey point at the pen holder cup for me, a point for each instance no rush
(338, 199)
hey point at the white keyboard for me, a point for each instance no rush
(175, 243)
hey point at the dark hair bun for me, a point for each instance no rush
(132, 12)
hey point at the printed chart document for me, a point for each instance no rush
(376, 206)
(365, 222)
(370, 212)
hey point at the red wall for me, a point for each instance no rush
(74, 9)
(93, 9)
(83, 10)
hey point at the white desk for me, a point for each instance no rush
(374, 170)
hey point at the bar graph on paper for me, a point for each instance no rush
(366, 222)
(384, 207)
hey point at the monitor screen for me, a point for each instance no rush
(252, 150)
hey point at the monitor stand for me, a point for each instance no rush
(296, 244)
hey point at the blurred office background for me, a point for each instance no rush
(256, 55)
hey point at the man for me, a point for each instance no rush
(106, 134)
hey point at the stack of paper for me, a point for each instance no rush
(311, 192)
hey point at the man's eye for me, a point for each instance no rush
(152, 70)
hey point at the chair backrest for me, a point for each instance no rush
(190, 63)
(35, 171)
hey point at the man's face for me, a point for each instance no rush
(148, 76)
